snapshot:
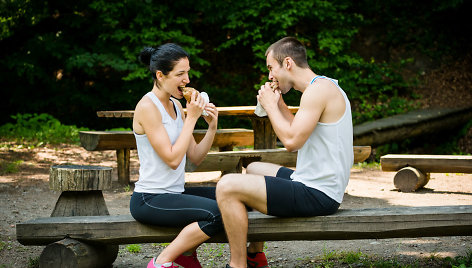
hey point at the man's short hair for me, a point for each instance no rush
(289, 47)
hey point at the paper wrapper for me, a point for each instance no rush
(259, 111)
(207, 100)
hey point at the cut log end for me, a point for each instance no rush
(79, 178)
(72, 253)
(410, 179)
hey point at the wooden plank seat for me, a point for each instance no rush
(92, 232)
(234, 161)
(413, 171)
(124, 141)
(225, 161)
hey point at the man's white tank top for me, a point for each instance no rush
(325, 160)
(155, 176)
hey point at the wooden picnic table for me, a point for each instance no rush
(264, 135)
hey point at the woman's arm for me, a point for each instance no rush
(197, 152)
(148, 118)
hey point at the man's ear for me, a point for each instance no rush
(288, 63)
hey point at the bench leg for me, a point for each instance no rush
(72, 253)
(122, 157)
(410, 179)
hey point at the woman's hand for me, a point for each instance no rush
(212, 118)
(196, 106)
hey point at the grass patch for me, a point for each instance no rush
(359, 259)
(10, 167)
(133, 248)
(38, 130)
(33, 262)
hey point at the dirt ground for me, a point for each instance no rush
(26, 195)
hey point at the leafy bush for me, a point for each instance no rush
(39, 129)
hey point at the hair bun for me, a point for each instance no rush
(145, 55)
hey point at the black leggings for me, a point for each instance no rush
(195, 204)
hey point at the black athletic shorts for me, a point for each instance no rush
(288, 198)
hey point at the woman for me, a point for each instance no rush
(164, 140)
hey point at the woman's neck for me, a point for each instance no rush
(161, 94)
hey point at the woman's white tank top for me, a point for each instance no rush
(155, 176)
(325, 160)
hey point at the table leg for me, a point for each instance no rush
(264, 134)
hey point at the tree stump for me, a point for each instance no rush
(81, 195)
(72, 253)
(410, 179)
(81, 188)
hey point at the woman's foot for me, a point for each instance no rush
(152, 264)
(188, 261)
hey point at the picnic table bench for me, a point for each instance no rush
(124, 141)
(224, 161)
(84, 237)
(413, 170)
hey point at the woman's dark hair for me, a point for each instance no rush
(162, 58)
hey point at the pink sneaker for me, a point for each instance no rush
(165, 265)
(188, 261)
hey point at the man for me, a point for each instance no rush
(321, 132)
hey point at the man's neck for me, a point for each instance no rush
(302, 79)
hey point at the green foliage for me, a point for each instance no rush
(39, 129)
(33, 262)
(71, 59)
(133, 248)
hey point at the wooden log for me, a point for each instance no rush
(369, 223)
(428, 163)
(80, 203)
(79, 178)
(412, 124)
(410, 179)
(72, 253)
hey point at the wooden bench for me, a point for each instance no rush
(124, 141)
(413, 170)
(86, 236)
(224, 161)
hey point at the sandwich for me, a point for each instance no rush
(187, 92)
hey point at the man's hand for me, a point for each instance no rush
(268, 97)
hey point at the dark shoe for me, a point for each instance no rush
(259, 261)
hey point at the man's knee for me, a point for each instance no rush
(253, 168)
(225, 185)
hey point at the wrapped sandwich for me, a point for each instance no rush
(187, 92)
(259, 111)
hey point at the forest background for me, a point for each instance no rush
(69, 59)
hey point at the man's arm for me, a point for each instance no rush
(294, 133)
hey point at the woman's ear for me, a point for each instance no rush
(159, 75)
